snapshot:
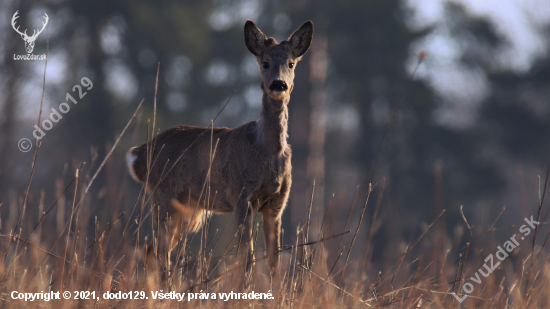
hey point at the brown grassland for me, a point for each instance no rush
(331, 263)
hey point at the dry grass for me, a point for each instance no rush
(336, 269)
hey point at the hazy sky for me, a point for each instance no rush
(462, 88)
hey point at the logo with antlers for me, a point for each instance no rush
(29, 40)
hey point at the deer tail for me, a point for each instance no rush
(132, 161)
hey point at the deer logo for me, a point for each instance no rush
(29, 40)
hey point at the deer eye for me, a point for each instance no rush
(266, 65)
(291, 65)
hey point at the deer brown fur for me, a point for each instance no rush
(251, 170)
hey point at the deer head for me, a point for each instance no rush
(29, 40)
(277, 61)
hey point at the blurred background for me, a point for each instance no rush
(470, 128)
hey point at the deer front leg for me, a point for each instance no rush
(272, 224)
(245, 255)
(272, 236)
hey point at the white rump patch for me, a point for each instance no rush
(130, 159)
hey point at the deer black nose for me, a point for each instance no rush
(278, 85)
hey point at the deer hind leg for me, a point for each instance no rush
(174, 224)
(166, 223)
(184, 219)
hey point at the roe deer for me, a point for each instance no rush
(250, 171)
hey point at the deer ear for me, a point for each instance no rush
(300, 40)
(254, 38)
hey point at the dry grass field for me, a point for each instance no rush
(63, 253)
(46, 254)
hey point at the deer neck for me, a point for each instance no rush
(273, 125)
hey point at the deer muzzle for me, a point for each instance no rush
(278, 87)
